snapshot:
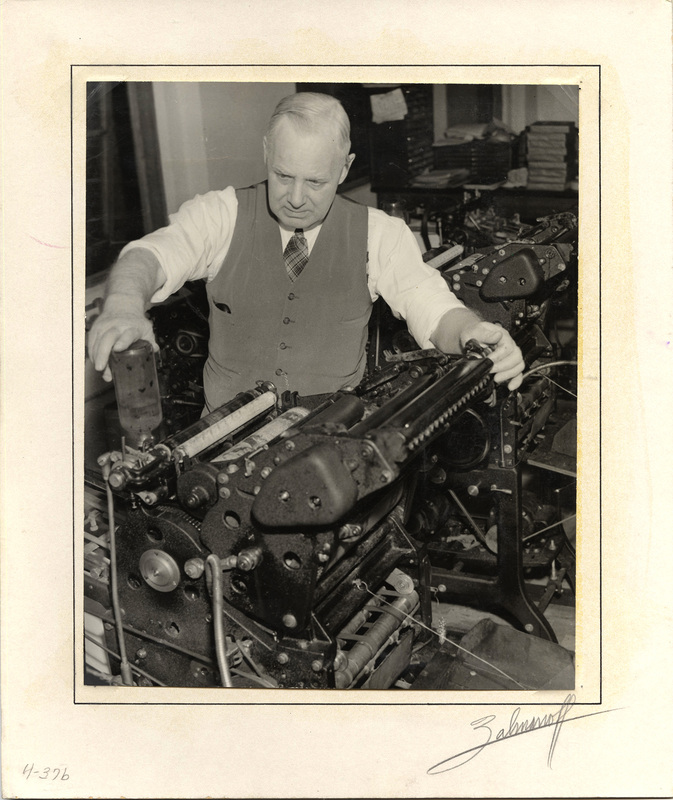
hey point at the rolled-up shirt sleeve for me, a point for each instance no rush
(194, 243)
(414, 291)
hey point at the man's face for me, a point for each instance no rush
(304, 170)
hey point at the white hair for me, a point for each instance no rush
(311, 112)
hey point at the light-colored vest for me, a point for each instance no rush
(308, 336)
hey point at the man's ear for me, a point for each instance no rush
(349, 160)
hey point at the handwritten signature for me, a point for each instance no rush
(516, 727)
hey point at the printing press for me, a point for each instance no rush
(267, 545)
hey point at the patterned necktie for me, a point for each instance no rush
(296, 254)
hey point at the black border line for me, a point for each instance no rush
(600, 407)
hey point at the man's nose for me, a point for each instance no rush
(297, 194)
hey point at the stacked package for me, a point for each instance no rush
(551, 151)
(484, 149)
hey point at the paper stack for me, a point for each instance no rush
(551, 154)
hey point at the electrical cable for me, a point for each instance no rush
(543, 530)
(563, 388)
(214, 567)
(473, 525)
(118, 657)
(547, 366)
(264, 682)
(251, 663)
(144, 635)
(125, 667)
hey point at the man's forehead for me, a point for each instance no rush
(290, 140)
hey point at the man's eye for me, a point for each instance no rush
(315, 184)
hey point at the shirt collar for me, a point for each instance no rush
(311, 236)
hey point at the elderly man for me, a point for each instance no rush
(292, 270)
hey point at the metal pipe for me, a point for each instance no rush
(392, 617)
(213, 564)
(125, 667)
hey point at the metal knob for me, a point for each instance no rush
(159, 570)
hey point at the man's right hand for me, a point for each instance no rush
(133, 280)
(116, 330)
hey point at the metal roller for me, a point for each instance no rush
(230, 424)
(263, 436)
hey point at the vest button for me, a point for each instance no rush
(279, 371)
(282, 345)
(291, 296)
(286, 321)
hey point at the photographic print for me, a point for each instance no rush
(375, 502)
(380, 513)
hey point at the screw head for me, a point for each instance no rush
(290, 621)
(282, 658)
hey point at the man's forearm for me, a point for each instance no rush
(132, 282)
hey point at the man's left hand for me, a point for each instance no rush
(508, 363)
